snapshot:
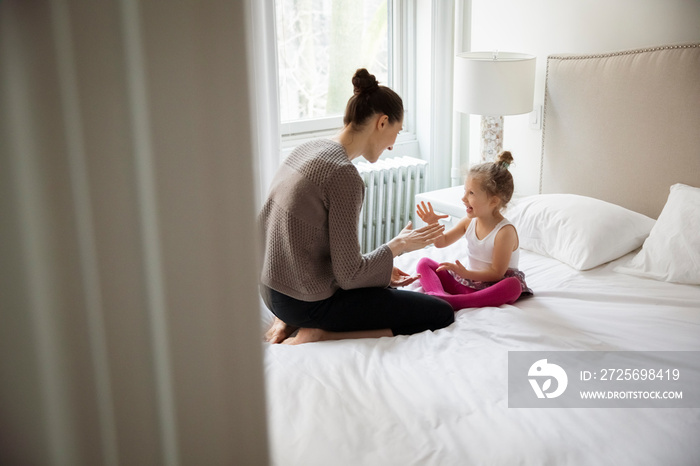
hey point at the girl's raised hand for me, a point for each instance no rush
(427, 214)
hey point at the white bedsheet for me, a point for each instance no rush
(440, 398)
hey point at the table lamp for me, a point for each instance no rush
(493, 84)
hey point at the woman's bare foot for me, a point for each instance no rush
(310, 335)
(306, 335)
(279, 331)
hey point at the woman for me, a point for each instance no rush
(314, 277)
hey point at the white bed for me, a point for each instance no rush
(441, 398)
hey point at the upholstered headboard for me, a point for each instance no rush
(622, 127)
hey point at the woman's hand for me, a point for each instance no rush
(401, 278)
(427, 214)
(411, 240)
(455, 267)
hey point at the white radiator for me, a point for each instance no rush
(391, 186)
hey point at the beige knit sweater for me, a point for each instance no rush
(309, 223)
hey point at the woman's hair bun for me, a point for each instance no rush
(364, 82)
(504, 159)
(369, 99)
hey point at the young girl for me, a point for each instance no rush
(492, 277)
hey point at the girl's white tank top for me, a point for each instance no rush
(481, 250)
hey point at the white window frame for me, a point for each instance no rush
(402, 55)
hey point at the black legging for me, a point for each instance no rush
(404, 312)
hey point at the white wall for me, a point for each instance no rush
(545, 27)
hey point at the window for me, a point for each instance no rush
(320, 44)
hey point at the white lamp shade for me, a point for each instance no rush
(494, 87)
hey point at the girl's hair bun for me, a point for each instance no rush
(504, 159)
(495, 177)
(363, 82)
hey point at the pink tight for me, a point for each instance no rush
(444, 286)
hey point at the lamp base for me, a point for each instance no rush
(491, 137)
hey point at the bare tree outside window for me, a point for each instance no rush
(320, 45)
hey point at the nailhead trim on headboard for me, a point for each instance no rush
(624, 52)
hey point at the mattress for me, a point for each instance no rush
(441, 398)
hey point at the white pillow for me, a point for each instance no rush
(580, 231)
(672, 251)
